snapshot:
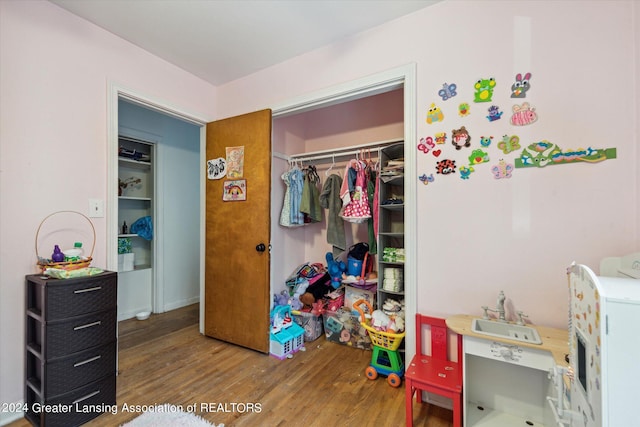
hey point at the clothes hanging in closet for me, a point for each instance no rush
(290, 216)
(330, 200)
(310, 202)
(354, 193)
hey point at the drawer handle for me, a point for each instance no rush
(88, 396)
(84, 362)
(81, 291)
(88, 325)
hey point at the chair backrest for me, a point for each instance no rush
(439, 337)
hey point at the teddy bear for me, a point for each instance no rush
(336, 269)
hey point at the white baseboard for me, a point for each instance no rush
(9, 417)
(182, 303)
(168, 307)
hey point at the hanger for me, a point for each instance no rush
(333, 163)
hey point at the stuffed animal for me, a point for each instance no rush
(281, 299)
(301, 288)
(335, 268)
(307, 299)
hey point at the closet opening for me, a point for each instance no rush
(324, 139)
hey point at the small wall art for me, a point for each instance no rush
(234, 190)
(216, 168)
(235, 162)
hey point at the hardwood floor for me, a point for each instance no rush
(166, 360)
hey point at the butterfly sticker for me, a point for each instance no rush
(509, 143)
(502, 170)
(426, 144)
(448, 91)
(426, 179)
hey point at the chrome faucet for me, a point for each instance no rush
(499, 308)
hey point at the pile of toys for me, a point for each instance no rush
(320, 297)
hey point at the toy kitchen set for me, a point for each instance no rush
(525, 375)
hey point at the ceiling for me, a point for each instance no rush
(223, 40)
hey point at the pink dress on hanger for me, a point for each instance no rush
(357, 208)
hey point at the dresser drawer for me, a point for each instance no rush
(74, 408)
(78, 333)
(68, 373)
(58, 299)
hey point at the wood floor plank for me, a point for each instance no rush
(166, 360)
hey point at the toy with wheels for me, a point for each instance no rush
(385, 359)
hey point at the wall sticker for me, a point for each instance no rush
(494, 113)
(465, 172)
(543, 153)
(460, 138)
(502, 169)
(520, 87)
(509, 143)
(523, 115)
(446, 167)
(434, 114)
(426, 179)
(426, 144)
(485, 141)
(448, 91)
(484, 90)
(464, 110)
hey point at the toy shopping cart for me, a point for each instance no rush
(385, 359)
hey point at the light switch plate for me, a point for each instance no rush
(96, 208)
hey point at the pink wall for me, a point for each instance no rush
(54, 73)
(480, 236)
(475, 238)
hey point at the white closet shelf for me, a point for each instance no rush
(335, 152)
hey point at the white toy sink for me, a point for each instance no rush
(506, 330)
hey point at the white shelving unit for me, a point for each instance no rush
(135, 201)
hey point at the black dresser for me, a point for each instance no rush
(71, 348)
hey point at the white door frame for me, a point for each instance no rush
(114, 93)
(400, 77)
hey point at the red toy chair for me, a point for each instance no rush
(435, 373)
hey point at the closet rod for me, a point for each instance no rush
(336, 152)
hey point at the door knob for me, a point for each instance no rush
(261, 247)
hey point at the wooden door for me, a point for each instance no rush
(237, 294)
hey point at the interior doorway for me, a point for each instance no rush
(176, 198)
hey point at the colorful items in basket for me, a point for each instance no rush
(393, 254)
(389, 320)
(58, 273)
